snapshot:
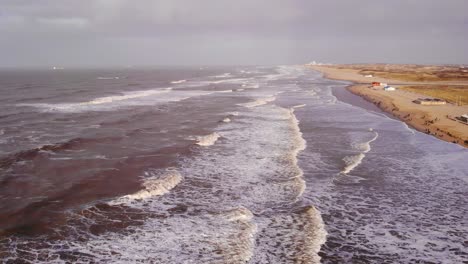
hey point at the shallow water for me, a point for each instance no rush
(222, 165)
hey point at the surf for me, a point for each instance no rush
(355, 160)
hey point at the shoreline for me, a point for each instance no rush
(432, 120)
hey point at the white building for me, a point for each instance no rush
(389, 88)
(464, 118)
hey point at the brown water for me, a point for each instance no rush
(218, 165)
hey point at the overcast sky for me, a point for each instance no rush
(95, 33)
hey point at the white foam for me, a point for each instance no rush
(224, 91)
(236, 80)
(107, 78)
(315, 235)
(226, 120)
(153, 186)
(299, 106)
(237, 214)
(224, 75)
(179, 81)
(259, 102)
(354, 161)
(300, 145)
(295, 237)
(208, 140)
(408, 128)
(251, 86)
(203, 238)
(147, 97)
(126, 96)
(365, 147)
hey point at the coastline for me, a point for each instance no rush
(434, 120)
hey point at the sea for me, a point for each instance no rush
(233, 164)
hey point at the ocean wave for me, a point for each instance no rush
(126, 96)
(234, 80)
(352, 162)
(226, 120)
(408, 128)
(108, 78)
(225, 237)
(179, 81)
(314, 236)
(155, 185)
(365, 147)
(240, 249)
(259, 102)
(224, 75)
(98, 101)
(50, 149)
(251, 86)
(355, 160)
(224, 91)
(295, 237)
(299, 106)
(208, 140)
(299, 145)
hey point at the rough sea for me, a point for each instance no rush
(219, 165)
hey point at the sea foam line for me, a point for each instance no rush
(100, 100)
(179, 81)
(108, 78)
(315, 236)
(208, 140)
(243, 248)
(300, 145)
(259, 102)
(354, 161)
(153, 186)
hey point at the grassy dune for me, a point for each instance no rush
(452, 94)
(411, 72)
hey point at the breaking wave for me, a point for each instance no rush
(126, 96)
(300, 145)
(224, 75)
(179, 81)
(259, 102)
(353, 161)
(155, 185)
(99, 101)
(208, 140)
(108, 78)
(294, 237)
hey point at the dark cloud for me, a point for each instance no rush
(163, 32)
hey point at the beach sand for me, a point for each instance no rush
(438, 121)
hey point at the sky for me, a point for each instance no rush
(101, 33)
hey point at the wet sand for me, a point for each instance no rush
(434, 120)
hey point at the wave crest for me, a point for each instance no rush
(208, 140)
(154, 186)
(259, 102)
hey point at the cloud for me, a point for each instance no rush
(329, 29)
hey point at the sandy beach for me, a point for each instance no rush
(437, 120)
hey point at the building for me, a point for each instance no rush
(429, 101)
(389, 88)
(464, 118)
(377, 84)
